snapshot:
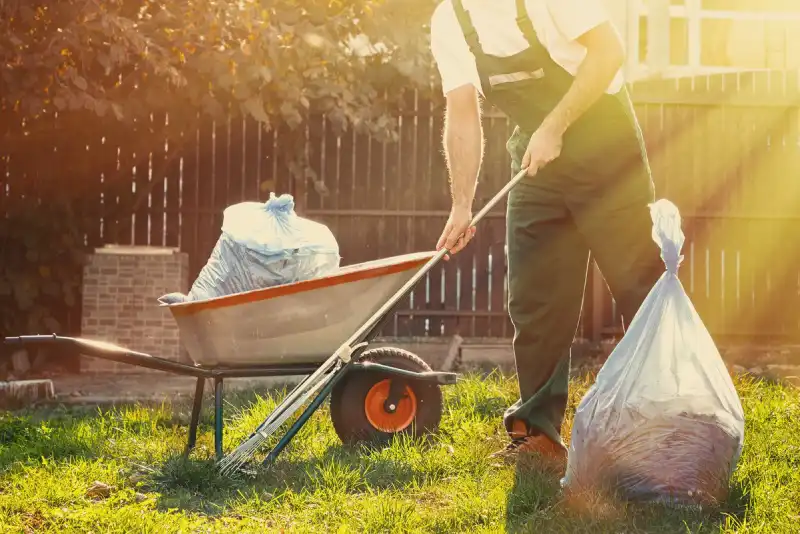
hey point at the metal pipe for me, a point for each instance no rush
(196, 408)
(218, 417)
(305, 416)
(439, 377)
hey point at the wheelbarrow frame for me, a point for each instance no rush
(119, 354)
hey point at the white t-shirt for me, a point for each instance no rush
(557, 24)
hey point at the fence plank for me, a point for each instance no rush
(482, 240)
(316, 133)
(414, 133)
(497, 278)
(450, 300)
(158, 177)
(207, 232)
(125, 188)
(331, 178)
(237, 173)
(190, 197)
(110, 177)
(172, 203)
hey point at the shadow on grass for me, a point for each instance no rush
(536, 503)
(23, 438)
(197, 485)
(64, 432)
(58, 432)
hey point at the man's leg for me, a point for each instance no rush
(547, 263)
(613, 217)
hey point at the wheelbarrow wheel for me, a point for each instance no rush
(359, 411)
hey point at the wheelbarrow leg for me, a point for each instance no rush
(196, 408)
(218, 417)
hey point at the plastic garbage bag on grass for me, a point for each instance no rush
(663, 421)
(263, 245)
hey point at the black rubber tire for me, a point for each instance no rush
(348, 396)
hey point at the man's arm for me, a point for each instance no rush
(463, 151)
(463, 144)
(604, 57)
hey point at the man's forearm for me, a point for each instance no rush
(591, 80)
(463, 150)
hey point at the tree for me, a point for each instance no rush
(94, 62)
(77, 71)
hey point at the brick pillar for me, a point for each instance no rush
(121, 286)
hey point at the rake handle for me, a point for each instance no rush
(425, 269)
(365, 328)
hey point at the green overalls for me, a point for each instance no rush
(593, 197)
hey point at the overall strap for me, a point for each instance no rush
(525, 25)
(468, 29)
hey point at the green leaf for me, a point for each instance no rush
(100, 107)
(80, 83)
(69, 296)
(25, 295)
(255, 107)
(51, 324)
(51, 288)
(117, 109)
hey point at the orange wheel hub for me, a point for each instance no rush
(386, 421)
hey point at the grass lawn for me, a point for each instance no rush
(50, 460)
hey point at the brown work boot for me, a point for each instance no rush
(531, 442)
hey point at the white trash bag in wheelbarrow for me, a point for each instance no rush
(263, 245)
(662, 422)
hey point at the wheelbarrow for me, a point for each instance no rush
(297, 329)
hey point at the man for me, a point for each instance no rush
(553, 67)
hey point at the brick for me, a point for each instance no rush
(120, 304)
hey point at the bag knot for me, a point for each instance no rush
(282, 205)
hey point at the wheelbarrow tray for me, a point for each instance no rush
(298, 323)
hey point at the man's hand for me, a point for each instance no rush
(604, 57)
(544, 147)
(456, 233)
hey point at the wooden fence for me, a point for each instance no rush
(725, 149)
